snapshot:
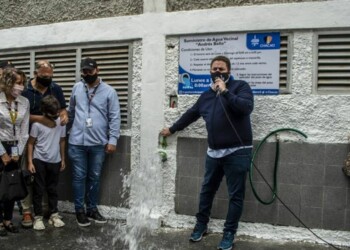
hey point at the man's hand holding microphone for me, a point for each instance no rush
(219, 85)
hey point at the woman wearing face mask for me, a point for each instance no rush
(14, 123)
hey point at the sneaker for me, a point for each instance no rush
(82, 219)
(38, 223)
(198, 232)
(27, 220)
(55, 220)
(96, 216)
(227, 241)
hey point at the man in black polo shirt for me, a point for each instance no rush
(39, 87)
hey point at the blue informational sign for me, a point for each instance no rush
(254, 58)
(258, 41)
(192, 83)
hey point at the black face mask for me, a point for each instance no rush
(89, 79)
(55, 117)
(52, 117)
(222, 76)
(44, 81)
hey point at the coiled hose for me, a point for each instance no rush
(274, 188)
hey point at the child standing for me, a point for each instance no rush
(45, 161)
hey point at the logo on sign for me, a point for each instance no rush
(255, 41)
(258, 41)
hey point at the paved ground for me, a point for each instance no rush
(73, 237)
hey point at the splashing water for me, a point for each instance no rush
(144, 201)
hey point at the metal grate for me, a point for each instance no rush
(284, 65)
(113, 62)
(21, 60)
(333, 62)
(64, 67)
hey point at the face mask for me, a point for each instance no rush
(53, 117)
(44, 81)
(89, 79)
(16, 90)
(222, 76)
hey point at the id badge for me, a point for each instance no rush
(14, 151)
(88, 122)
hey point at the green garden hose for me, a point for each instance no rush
(162, 148)
(274, 188)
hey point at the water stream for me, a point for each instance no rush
(144, 185)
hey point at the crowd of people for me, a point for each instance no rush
(40, 117)
(34, 121)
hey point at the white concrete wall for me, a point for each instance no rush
(312, 113)
(324, 118)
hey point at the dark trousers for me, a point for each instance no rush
(6, 207)
(234, 167)
(45, 178)
(6, 210)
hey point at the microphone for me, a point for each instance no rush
(217, 89)
(218, 92)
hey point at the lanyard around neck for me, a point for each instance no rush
(89, 97)
(13, 116)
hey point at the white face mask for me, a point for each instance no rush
(17, 90)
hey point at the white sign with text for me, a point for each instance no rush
(255, 58)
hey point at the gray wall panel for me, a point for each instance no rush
(314, 190)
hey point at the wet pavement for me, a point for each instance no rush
(104, 236)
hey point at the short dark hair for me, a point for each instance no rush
(49, 105)
(223, 59)
(6, 64)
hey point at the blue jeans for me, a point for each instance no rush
(87, 163)
(235, 167)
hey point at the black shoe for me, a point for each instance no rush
(11, 228)
(3, 231)
(96, 216)
(82, 219)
